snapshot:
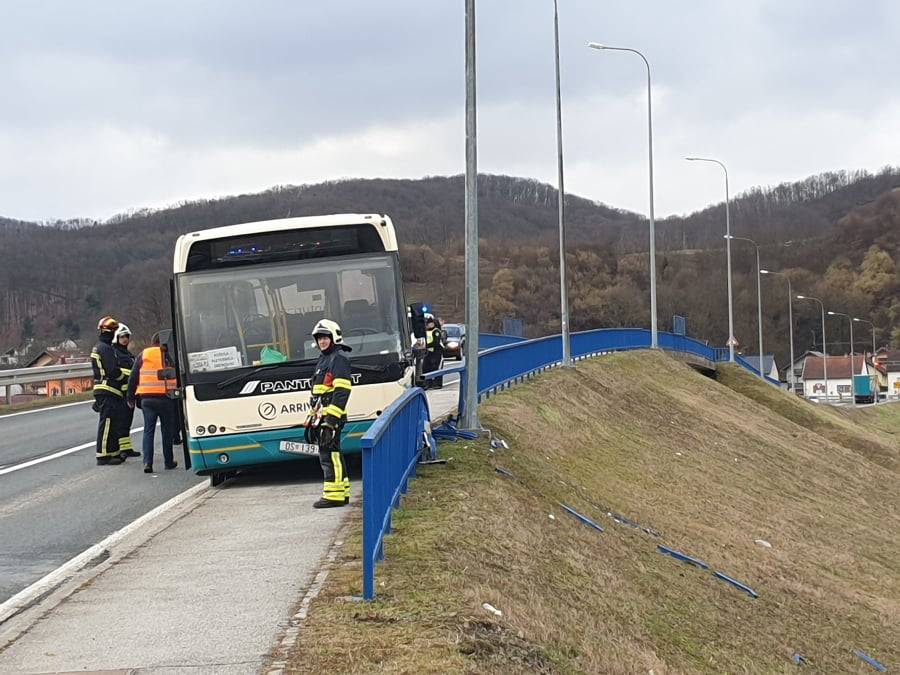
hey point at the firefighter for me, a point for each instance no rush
(125, 359)
(152, 393)
(434, 352)
(109, 400)
(331, 386)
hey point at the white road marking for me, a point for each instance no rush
(37, 410)
(26, 597)
(55, 455)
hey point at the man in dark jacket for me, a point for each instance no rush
(109, 399)
(331, 386)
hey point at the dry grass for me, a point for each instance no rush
(709, 468)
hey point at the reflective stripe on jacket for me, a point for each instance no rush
(149, 383)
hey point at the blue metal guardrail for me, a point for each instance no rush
(391, 445)
(489, 340)
(390, 451)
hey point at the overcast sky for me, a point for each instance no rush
(108, 106)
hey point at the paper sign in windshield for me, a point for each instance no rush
(214, 359)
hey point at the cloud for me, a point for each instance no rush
(115, 105)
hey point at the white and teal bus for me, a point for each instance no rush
(245, 299)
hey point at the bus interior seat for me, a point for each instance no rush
(360, 314)
(300, 328)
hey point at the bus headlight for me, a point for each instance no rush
(211, 428)
(201, 431)
(223, 458)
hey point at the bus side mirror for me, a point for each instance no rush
(417, 319)
(167, 340)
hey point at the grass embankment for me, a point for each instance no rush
(45, 402)
(708, 468)
(856, 430)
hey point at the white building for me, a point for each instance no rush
(889, 361)
(840, 372)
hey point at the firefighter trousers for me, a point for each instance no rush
(336, 486)
(125, 439)
(112, 425)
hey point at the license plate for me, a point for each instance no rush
(299, 448)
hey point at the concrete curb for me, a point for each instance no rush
(22, 610)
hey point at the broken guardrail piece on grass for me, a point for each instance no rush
(737, 584)
(504, 472)
(877, 665)
(584, 519)
(682, 557)
(799, 659)
(497, 443)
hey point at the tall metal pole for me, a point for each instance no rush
(470, 413)
(563, 289)
(790, 324)
(759, 312)
(654, 332)
(728, 253)
(728, 237)
(852, 365)
(873, 334)
(824, 344)
(791, 333)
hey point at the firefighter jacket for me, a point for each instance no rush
(125, 360)
(145, 380)
(433, 341)
(331, 385)
(108, 378)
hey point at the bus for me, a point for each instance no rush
(245, 299)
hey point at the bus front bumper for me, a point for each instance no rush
(234, 451)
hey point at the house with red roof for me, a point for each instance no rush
(839, 371)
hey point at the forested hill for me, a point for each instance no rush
(55, 277)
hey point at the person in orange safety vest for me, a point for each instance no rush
(153, 394)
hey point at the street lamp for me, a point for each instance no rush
(790, 324)
(728, 253)
(470, 405)
(824, 350)
(654, 335)
(563, 291)
(758, 299)
(873, 334)
(852, 371)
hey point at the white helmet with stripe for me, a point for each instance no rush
(331, 329)
(122, 330)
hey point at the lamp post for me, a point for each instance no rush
(852, 367)
(728, 253)
(470, 406)
(758, 299)
(654, 334)
(824, 349)
(790, 323)
(873, 333)
(563, 290)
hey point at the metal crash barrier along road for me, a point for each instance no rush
(391, 446)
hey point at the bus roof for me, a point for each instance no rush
(382, 224)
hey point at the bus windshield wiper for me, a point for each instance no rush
(259, 369)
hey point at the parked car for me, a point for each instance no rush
(455, 341)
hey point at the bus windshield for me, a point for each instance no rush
(264, 314)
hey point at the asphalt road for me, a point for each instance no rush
(53, 510)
